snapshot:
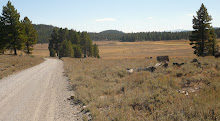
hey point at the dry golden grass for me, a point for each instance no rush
(10, 64)
(110, 93)
(120, 50)
(40, 50)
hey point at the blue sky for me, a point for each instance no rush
(123, 15)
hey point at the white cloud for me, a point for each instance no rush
(191, 14)
(105, 19)
(150, 18)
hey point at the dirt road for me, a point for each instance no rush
(37, 94)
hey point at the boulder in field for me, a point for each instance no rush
(163, 58)
(217, 55)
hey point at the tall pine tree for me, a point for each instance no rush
(2, 36)
(66, 49)
(14, 32)
(202, 36)
(83, 43)
(96, 51)
(30, 35)
(54, 41)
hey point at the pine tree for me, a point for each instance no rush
(2, 36)
(212, 43)
(77, 51)
(52, 53)
(66, 49)
(96, 51)
(30, 36)
(74, 37)
(202, 33)
(83, 43)
(54, 41)
(89, 46)
(14, 32)
(63, 35)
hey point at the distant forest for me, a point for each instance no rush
(44, 32)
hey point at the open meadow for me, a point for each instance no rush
(105, 89)
(109, 92)
(122, 50)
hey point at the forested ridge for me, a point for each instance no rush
(107, 35)
(44, 32)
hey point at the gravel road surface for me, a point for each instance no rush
(37, 94)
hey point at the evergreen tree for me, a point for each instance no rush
(52, 53)
(77, 51)
(202, 33)
(89, 46)
(66, 49)
(96, 51)
(83, 43)
(74, 37)
(14, 32)
(2, 36)
(63, 35)
(30, 35)
(54, 41)
(212, 45)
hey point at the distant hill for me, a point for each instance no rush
(44, 32)
(108, 35)
(112, 32)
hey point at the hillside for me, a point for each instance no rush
(44, 32)
(107, 35)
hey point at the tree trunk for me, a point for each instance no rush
(202, 51)
(28, 50)
(15, 51)
(213, 48)
(84, 54)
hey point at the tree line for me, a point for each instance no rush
(155, 36)
(70, 43)
(15, 34)
(114, 35)
(144, 36)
